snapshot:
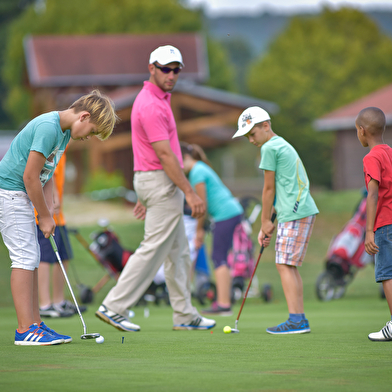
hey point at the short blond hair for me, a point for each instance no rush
(102, 112)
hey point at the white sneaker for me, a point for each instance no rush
(384, 335)
(197, 323)
(117, 320)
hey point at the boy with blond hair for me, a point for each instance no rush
(26, 180)
(286, 191)
(377, 166)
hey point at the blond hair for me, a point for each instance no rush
(101, 109)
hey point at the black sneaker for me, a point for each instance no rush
(55, 312)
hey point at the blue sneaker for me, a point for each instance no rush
(197, 323)
(36, 336)
(290, 327)
(67, 339)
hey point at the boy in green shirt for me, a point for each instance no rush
(286, 190)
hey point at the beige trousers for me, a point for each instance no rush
(164, 242)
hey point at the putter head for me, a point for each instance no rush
(235, 330)
(90, 336)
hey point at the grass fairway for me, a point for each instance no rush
(335, 356)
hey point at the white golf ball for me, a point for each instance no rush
(100, 339)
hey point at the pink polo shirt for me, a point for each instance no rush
(152, 120)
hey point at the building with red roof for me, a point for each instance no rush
(348, 151)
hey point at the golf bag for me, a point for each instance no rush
(345, 256)
(106, 246)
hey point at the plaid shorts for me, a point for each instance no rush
(292, 240)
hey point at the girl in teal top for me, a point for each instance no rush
(226, 213)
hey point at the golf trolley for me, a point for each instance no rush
(241, 258)
(109, 253)
(345, 256)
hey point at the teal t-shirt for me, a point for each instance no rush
(293, 200)
(42, 134)
(221, 205)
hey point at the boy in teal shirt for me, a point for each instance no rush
(286, 190)
(26, 180)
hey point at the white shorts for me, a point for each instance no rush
(18, 229)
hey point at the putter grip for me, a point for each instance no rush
(273, 217)
(52, 241)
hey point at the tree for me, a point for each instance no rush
(91, 17)
(9, 10)
(316, 65)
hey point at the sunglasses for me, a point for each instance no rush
(167, 70)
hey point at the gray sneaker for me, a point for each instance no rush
(55, 312)
(197, 323)
(384, 335)
(117, 320)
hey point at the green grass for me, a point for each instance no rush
(335, 356)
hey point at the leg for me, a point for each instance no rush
(223, 286)
(22, 283)
(178, 273)
(44, 284)
(292, 287)
(164, 214)
(291, 245)
(36, 315)
(58, 282)
(222, 243)
(383, 273)
(387, 286)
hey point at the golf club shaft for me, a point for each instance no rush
(54, 246)
(251, 278)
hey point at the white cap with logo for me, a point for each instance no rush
(249, 118)
(165, 55)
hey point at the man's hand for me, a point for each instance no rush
(196, 204)
(139, 211)
(370, 246)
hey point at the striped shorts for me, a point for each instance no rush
(292, 240)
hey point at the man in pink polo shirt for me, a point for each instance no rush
(160, 184)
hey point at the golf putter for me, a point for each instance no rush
(85, 334)
(236, 330)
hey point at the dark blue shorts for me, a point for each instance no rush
(383, 259)
(223, 239)
(64, 248)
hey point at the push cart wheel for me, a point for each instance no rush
(327, 288)
(86, 294)
(206, 292)
(267, 293)
(237, 288)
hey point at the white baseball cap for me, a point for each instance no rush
(165, 55)
(249, 118)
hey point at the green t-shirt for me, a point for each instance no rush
(221, 205)
(292, 197)
(42, 134)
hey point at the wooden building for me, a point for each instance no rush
(348, 151)
(62, 68)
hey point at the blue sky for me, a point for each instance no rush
(218, 7)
